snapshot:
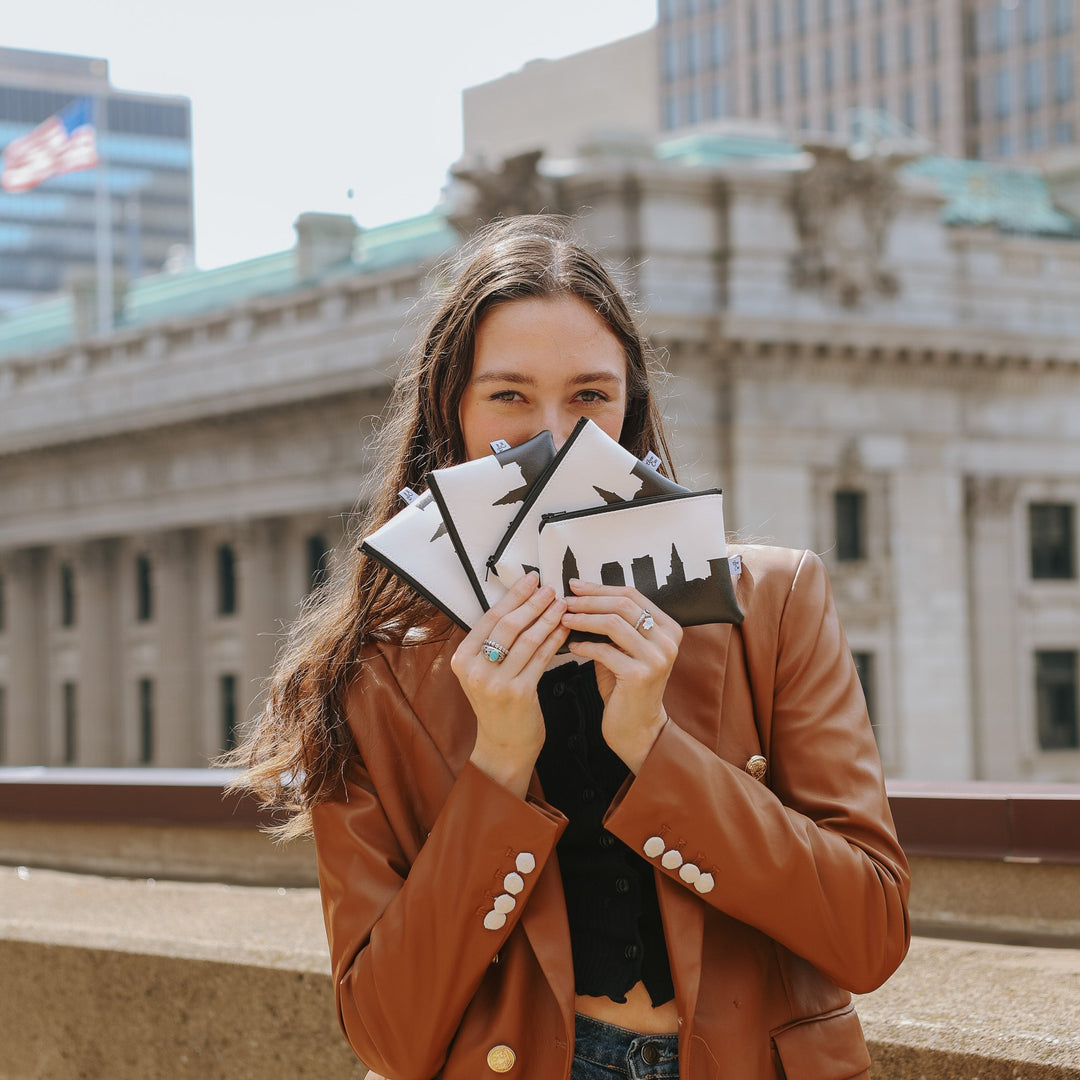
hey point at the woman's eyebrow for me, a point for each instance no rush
(509, 376)
(596, 377)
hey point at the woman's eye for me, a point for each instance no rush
(592, 397)
(506, 395)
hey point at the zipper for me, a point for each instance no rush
(565, 515)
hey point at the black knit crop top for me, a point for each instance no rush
(616, 932)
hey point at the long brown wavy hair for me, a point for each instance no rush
(296, 751)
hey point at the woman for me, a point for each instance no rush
(673, 858)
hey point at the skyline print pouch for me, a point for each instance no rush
(590, 470)
(671, 548)
(416, 546)
(478, 499)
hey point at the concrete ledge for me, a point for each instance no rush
(129, 978)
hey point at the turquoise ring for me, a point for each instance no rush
(493, 651)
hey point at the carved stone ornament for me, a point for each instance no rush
(517, 186)
(843, 206)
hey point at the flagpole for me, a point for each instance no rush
(103, 248)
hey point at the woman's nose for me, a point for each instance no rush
(560, 425)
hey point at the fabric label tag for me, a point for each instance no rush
(408, 495)
(652, 460)
(735, 565)
(499, 445)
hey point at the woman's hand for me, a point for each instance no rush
(632, 667)
(526, 622)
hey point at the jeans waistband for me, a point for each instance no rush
(642, 1057)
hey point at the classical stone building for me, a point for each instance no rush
(876, 358)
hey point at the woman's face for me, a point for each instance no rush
(541, 364)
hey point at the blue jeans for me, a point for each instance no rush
(606, 1052)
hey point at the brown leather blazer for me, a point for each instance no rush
(809, 885)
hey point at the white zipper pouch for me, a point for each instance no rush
(478, 500)
(671, 548)
(591, 470)
(416, 546)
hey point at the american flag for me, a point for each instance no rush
(64, 143)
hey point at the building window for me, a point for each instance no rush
(1055, 699)
(226, 580)
(318, 560)
(67, 595)
(907, 47)
(864, 667)
(826, 13)
(909, 108)
(1002, 19)
(1032, 10)
(879, 53)
(755, 92)
(932, 37)
(667, 10)
(801, 17)
(973, 100)
(752, 28)
(778, 82)
(144, 589)
(850, 513)
(777, 22)
(1053, 541)
(852, 10)
(804, 75)
(1062, 15)
(1033, 85)
(1003, 146)
(670, 59)
(229, 713)
(827, 68)
(671, 112)
(693, 107)
(935, 104)
(971, 35)
(1064, 134)
(853, 60)
(830, 121)
(718, 96)
(1002, 93)
(70, 718)
(718, 44)
(146, 721)
(690, 53)
(1034, 138)
(1063, 77)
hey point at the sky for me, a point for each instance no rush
(295, 104)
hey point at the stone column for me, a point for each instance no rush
(264, 608)
(931, 604)
(24, 588)
(990, 503)
(97, 616)
(179, 670)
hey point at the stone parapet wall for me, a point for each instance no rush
(130, 978)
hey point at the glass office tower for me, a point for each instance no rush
(47, 234)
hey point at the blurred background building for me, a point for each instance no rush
(873, 346)
(875, 354)
(991, 79)
(47, 235)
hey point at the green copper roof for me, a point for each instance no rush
(1013, 199)
(980, 193)
(49, 324)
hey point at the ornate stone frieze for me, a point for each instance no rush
(990, 496)
(843, 207)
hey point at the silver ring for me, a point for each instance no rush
(645, 621)
(493, 651)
